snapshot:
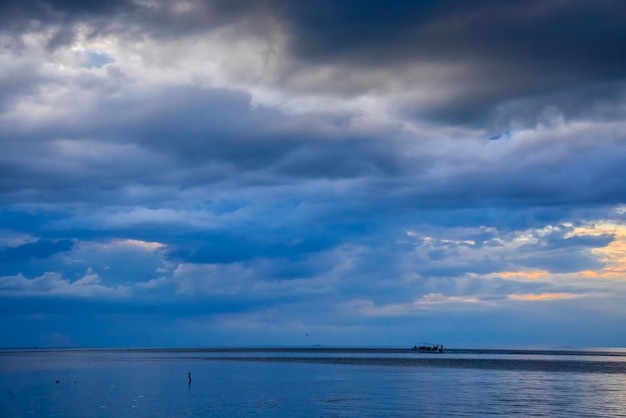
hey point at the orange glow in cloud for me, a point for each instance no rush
(542, 296)
(532, 275)
(613, 255)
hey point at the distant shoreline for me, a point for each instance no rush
(597, 351)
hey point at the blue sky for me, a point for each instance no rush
(244, 173)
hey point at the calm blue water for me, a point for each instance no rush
(311, 383)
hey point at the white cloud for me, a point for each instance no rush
(153, 283)
(53, 284)
(128, 217)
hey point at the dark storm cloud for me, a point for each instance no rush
(551, 37)
(546, 41)
(555, 38)
(511, 59)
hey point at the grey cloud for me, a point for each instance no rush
(70, 305)
(563, 262)
(602, 101)
(42, 248)
(196, 136)
(355, 157)
(181, 138)
(30, 12)
(583, 241)
(290, 242)
(19, 76)
(223, 248)
(66, 18)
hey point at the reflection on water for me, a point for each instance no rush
(307, 383)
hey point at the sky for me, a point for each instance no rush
(218, 173)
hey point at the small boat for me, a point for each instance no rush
(428, 348)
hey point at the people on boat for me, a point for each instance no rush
(424, 347)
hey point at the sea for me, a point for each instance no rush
(312, 382)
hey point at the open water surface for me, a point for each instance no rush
(312, 382)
